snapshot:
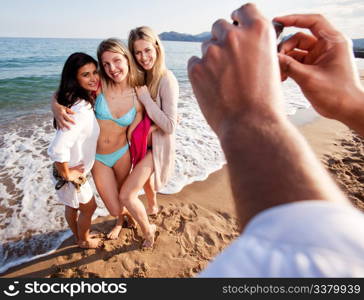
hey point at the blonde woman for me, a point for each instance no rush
(159, 96)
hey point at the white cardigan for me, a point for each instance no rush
(163, 112)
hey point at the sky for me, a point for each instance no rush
(114, 18)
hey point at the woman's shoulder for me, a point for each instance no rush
(168, 78)
(168, 74)
(80, 106)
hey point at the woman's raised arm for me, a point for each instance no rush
(61, 114)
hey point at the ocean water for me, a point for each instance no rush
(31, 221)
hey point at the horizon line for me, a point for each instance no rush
(49, 37)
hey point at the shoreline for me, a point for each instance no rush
(196, 223)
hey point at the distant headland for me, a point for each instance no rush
(358, 44)
(184, 37)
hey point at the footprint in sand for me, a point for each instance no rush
(198, 231)
(141, 270)
(347, 168)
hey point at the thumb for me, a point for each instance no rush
(293, 68)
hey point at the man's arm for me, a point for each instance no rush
(237, 85)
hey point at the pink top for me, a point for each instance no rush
(139, 140)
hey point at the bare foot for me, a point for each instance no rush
(152, 211)
(90, 243)
(114, 233)
(149, 240)
(91, 235)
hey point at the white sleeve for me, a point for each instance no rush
(315, 238)
(60, 148)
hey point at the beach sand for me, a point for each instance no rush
(195, 224)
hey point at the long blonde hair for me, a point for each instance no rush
(135, 76)
(159, 69)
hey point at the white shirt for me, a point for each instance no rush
(301, 239)
(78, 144)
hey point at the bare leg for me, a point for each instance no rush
(129, 196)
(115, 231)
(71, 218)
(149, 238)
(107, 187)
(151, 196)
(84, 224)
(149, 188)
(121, 170)
(107, 181)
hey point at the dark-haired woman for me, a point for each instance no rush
(73, 150)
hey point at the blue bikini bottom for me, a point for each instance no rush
(111, 158)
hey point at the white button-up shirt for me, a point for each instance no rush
(78, 144)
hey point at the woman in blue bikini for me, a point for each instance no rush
(118, 111)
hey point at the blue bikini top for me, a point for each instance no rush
(102, 112)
